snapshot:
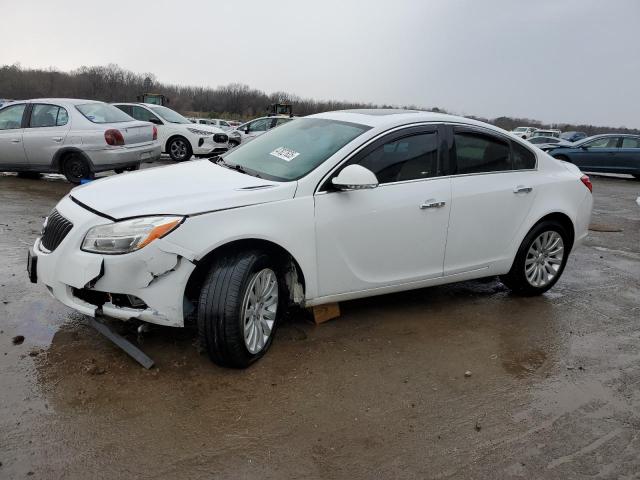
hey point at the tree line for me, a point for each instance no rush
(235, 101)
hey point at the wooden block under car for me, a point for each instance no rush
(326, 312)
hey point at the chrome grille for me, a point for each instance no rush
(55, 229)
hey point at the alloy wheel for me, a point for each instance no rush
(259, 309)
(178, 149)
(544, 259)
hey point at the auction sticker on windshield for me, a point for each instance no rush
(284, 153)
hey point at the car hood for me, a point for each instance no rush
(184, 189)
(198, 126)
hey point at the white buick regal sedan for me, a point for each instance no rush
(325, 208)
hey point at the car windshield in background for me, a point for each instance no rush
(520, 129)
(169, 115)
(103, 113)
(292, 150)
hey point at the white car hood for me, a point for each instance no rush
(198, 126)
(187, 188)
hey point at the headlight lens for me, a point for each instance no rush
(202, 133)
(128, 235)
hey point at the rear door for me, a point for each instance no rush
(492, 189)
(630, 155)
(46, 130)
(12, 153)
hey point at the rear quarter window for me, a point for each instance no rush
(523, 158)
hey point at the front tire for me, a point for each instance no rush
(540, 260)
(240, 304)
(75, 168)
(179, 149)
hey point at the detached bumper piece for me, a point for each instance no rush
(128, 347)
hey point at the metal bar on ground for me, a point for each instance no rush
(133, 351)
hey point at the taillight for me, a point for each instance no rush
(587, 183)
(113, 137)
(155, 132)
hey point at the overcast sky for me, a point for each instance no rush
(552, 60)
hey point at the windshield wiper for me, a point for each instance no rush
(218, 160)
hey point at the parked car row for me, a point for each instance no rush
(79, 138)
(74, 137)
(532, 132)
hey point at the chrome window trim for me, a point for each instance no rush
(317, 190)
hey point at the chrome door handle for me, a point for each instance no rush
(432, 204)
(15, 140)
(56, 139)
(522, 189)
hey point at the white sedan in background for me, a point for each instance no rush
(178, 136)
(258, 126)
(74, 137)
(331, 207)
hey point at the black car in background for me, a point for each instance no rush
(609, 153)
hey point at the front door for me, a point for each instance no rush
(390, 235)
(11, 132)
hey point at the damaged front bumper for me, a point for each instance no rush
(155, 276)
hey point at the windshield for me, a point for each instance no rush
(103, 113)
(169, 115)
(292, 150)
(521, 129)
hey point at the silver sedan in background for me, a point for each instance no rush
(74, 137)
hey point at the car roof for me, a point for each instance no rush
(68, 101)
(390, 118)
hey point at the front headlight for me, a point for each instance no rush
(202, 133)
(128, 235)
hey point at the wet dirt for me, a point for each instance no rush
(381, 392)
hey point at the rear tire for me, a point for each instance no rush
(540, 260)
(179, 149)
(75, 168)
(242, 295)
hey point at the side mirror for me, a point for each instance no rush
(246, 130)
(355, 177)
(584, 147)
(156, 121)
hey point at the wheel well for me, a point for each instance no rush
(563, 220)
(284, 258)
(166, 145)
(58, 161)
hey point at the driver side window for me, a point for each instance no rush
(605, 142)
(142, 114)
(258, 125)
(408, 158)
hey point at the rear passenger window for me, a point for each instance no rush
(478, 153)
(628, 142)
(48, 116)
(523, 158)
(408, 158)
